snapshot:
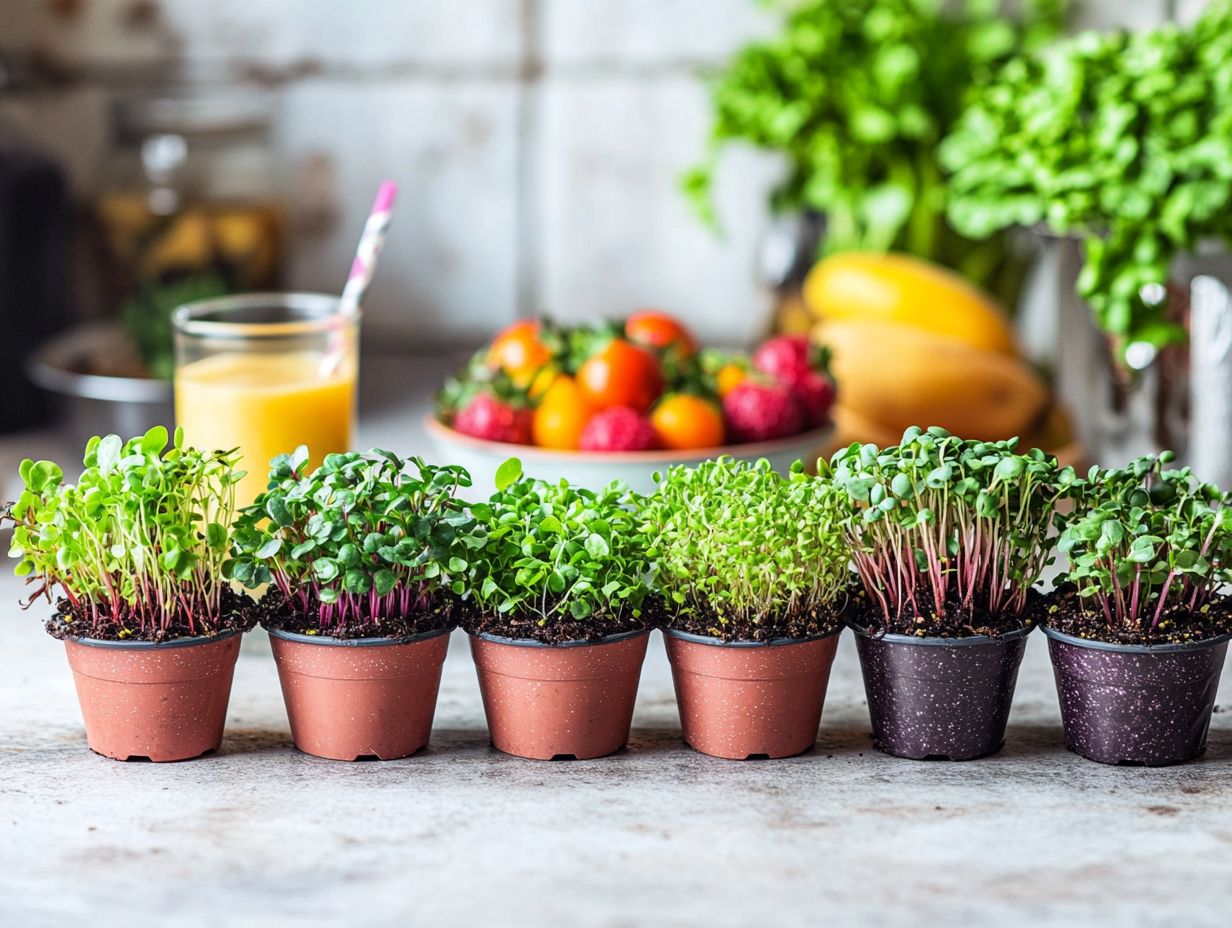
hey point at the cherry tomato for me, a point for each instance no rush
(729, 377)
(561, 415)
(659, 330)
(621, 374)
(683, 421)
(519, 352)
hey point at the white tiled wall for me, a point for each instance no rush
(449, 267)
(538, 143)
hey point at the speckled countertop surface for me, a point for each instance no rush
(260, 834)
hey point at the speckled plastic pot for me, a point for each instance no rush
(572, 700)
(940, 698)
(1138, 705)
(163, 702)
(745, 699)
(360, 697)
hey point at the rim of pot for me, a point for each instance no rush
(577, 643)
(152, 645)
(771, 643)
(1096, 645)
(331, 641)
(939, 642)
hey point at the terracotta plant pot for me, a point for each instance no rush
(744, 699)
(940, 698)
(352, 698)
(163, 702)
(571, 700)
(1142, 705)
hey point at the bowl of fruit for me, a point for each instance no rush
(624, 399)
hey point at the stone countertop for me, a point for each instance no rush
(259, 834)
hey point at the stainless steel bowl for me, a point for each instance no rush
(96, 404)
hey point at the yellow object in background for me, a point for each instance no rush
(905, 291)
(896, 376)
(266, 405)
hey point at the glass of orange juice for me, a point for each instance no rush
(265, 373)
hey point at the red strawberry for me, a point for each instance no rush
(786, 358)
(815, 394)
(759, 412)
(487, 417)
(619, 428)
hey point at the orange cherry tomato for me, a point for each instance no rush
(518, 351)
(683, 421)
(621, 375)
(659, 330)
(561, 415)
(729, 377)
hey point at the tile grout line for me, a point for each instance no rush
(526, 151)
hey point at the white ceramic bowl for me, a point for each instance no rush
(595, 469)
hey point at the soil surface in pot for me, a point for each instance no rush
(960, 621)
(277, 612)
(1071, 614)
(810, 623)
(560, 629)
(239, 613)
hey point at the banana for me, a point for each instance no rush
(870, 287)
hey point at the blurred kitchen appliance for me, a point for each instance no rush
(35, 222)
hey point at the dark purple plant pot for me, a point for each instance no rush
(1140, 705)
(940, 698)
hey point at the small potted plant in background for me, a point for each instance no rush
(1138, 624)
(949, 536)
(557, 625)
(752, 568)
(365, 555)
(137, 548)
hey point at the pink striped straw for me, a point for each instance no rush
(362, 269)
(370, 242)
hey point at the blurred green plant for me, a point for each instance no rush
(1122, 139)
(857, 94)
(147, 316)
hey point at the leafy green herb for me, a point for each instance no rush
(1144, 541)
(857, 94)
(555, 551)
(360, 538)
(147, 317)
(140, 541)
(1123, 139)
(732, 540)
(942, 525)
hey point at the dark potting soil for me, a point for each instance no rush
(561, 628)
(1071, 614)
(239, 613)
(811, 623)
(958, 620)
(278, 613)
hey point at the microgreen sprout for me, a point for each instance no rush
(139, 543)
(735, 543)
(365, 536)
(555, 551)
(1144, 542)
(943, 525)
